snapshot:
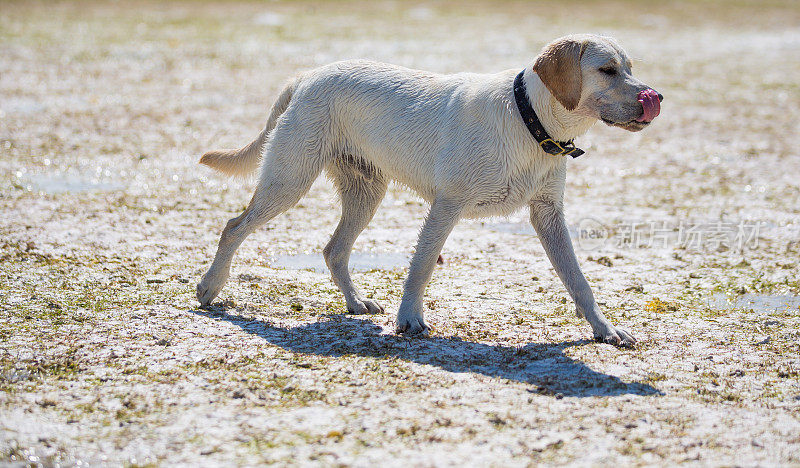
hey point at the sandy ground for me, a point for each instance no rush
(108, 223)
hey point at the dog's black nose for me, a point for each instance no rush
(660, 97)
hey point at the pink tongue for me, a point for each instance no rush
(651, 106)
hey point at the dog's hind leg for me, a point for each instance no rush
(285, 178)
(361, 190)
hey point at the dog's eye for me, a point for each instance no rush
(609, 70)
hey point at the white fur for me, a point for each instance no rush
(457, 140)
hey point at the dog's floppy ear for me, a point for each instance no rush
(559, 68)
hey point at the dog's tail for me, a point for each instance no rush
(243, 161)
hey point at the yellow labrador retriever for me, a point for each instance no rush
(471, 145)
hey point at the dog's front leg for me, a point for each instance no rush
(442, 217)
(548, 220)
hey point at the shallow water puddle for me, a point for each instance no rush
(15, 106)
(63, 183)
(511, 228)
(761, 303)
(359, 261)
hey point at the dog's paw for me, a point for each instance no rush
(412, 326)
(616, 336)
(208, 289)
(205, 295)
(365, 306)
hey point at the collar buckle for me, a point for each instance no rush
(566, 148)
(552, 147)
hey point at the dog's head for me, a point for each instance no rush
(591, 75)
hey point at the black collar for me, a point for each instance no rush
(556, 148)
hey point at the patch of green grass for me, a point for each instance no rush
(657, 306)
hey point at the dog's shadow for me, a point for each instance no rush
(543, 365)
